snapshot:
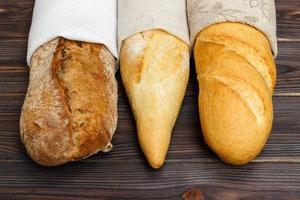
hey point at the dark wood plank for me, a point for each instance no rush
(288, 20)
(133, 179)
(209, 192)
(17, 15)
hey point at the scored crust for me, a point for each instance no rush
(237, 76)
(70, 110)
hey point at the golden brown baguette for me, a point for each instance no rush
(237, 75)
(70, 110)
(155, 70)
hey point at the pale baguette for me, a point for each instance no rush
(155, 72)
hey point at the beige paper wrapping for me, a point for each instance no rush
(260, 14)
(136, 16)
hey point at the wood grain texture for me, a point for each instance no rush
(124, 173)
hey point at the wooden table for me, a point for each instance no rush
(124, 173)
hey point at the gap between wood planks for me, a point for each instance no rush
(288, 94)
(288, 39)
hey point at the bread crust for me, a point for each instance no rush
(70, 110)
(237, 76)
(155, 72)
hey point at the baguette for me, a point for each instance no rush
(154, 67)
(70, 110)
(237, 76)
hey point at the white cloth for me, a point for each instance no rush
(92, 21)
(136, 16)
(260, 14)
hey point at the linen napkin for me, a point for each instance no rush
(92, 21)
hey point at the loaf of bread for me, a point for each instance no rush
(237, 75)
(154, 67)
(70, 110)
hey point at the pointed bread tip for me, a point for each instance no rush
(155, 162)
(155, 146)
